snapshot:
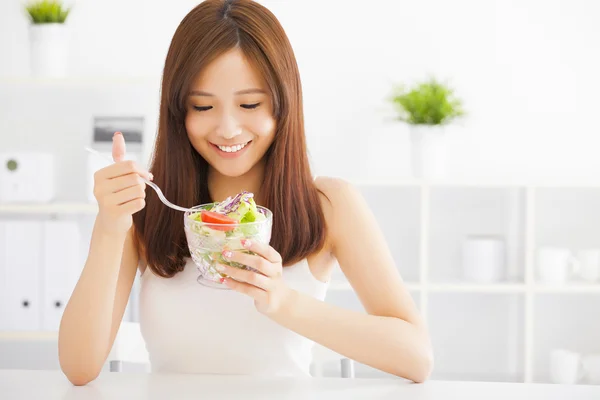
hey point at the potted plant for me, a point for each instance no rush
(427, 107)
(48, 38)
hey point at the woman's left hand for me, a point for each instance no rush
(266, 286)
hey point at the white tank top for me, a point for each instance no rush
(192, 328)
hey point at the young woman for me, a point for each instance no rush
(231, 120)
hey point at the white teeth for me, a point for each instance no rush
(232, 149)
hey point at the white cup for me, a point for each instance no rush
(484, 259)
(589, 264)
(556, 265)
(591, 366)
(566, 366)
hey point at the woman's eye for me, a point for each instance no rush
(250, 106)
(202, 108)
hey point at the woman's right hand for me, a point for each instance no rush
(119, 190)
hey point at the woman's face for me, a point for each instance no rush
(229, 118)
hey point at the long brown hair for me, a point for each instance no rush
(209, 30)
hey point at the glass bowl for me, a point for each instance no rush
(207, 241)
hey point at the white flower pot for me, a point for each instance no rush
(49, 50)
(428, 151)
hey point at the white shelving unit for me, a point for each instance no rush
(503, 325)
(436, 292)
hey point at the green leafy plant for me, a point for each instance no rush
(47, 11)
(426, 103)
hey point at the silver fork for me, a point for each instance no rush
(161, 196)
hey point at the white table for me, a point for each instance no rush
(52, 385)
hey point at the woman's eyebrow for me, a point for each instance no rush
(250, 91)
(245, 91)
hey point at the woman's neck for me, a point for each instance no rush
(221, 186)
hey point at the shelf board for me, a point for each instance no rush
(567, 288)
(465, 287)
(475, 183)
(28, 335)
(345, 286)
(49, 208)
(453, 183)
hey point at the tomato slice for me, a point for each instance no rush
(211, 217)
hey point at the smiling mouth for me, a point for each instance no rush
(232, 149)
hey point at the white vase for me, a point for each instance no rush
(428, 151)
(484, 259)
(49, 50)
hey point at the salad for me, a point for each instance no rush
(215, 227)
(231, 216)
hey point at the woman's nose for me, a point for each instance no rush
(229, 128)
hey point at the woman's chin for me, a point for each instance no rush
(231, 171)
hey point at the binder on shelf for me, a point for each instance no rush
(20, 265)
(61, 269)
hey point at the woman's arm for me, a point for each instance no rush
(392, 337)
(93, 314)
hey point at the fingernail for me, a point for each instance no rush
(150, 176)
(246, 243)
(222, 280)
(227, 254)
(117, 133)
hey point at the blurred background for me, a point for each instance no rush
(492, 217)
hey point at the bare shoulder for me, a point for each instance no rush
(331, 182)
(338, 191)
(339, 199)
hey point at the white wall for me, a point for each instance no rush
(527, 70)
